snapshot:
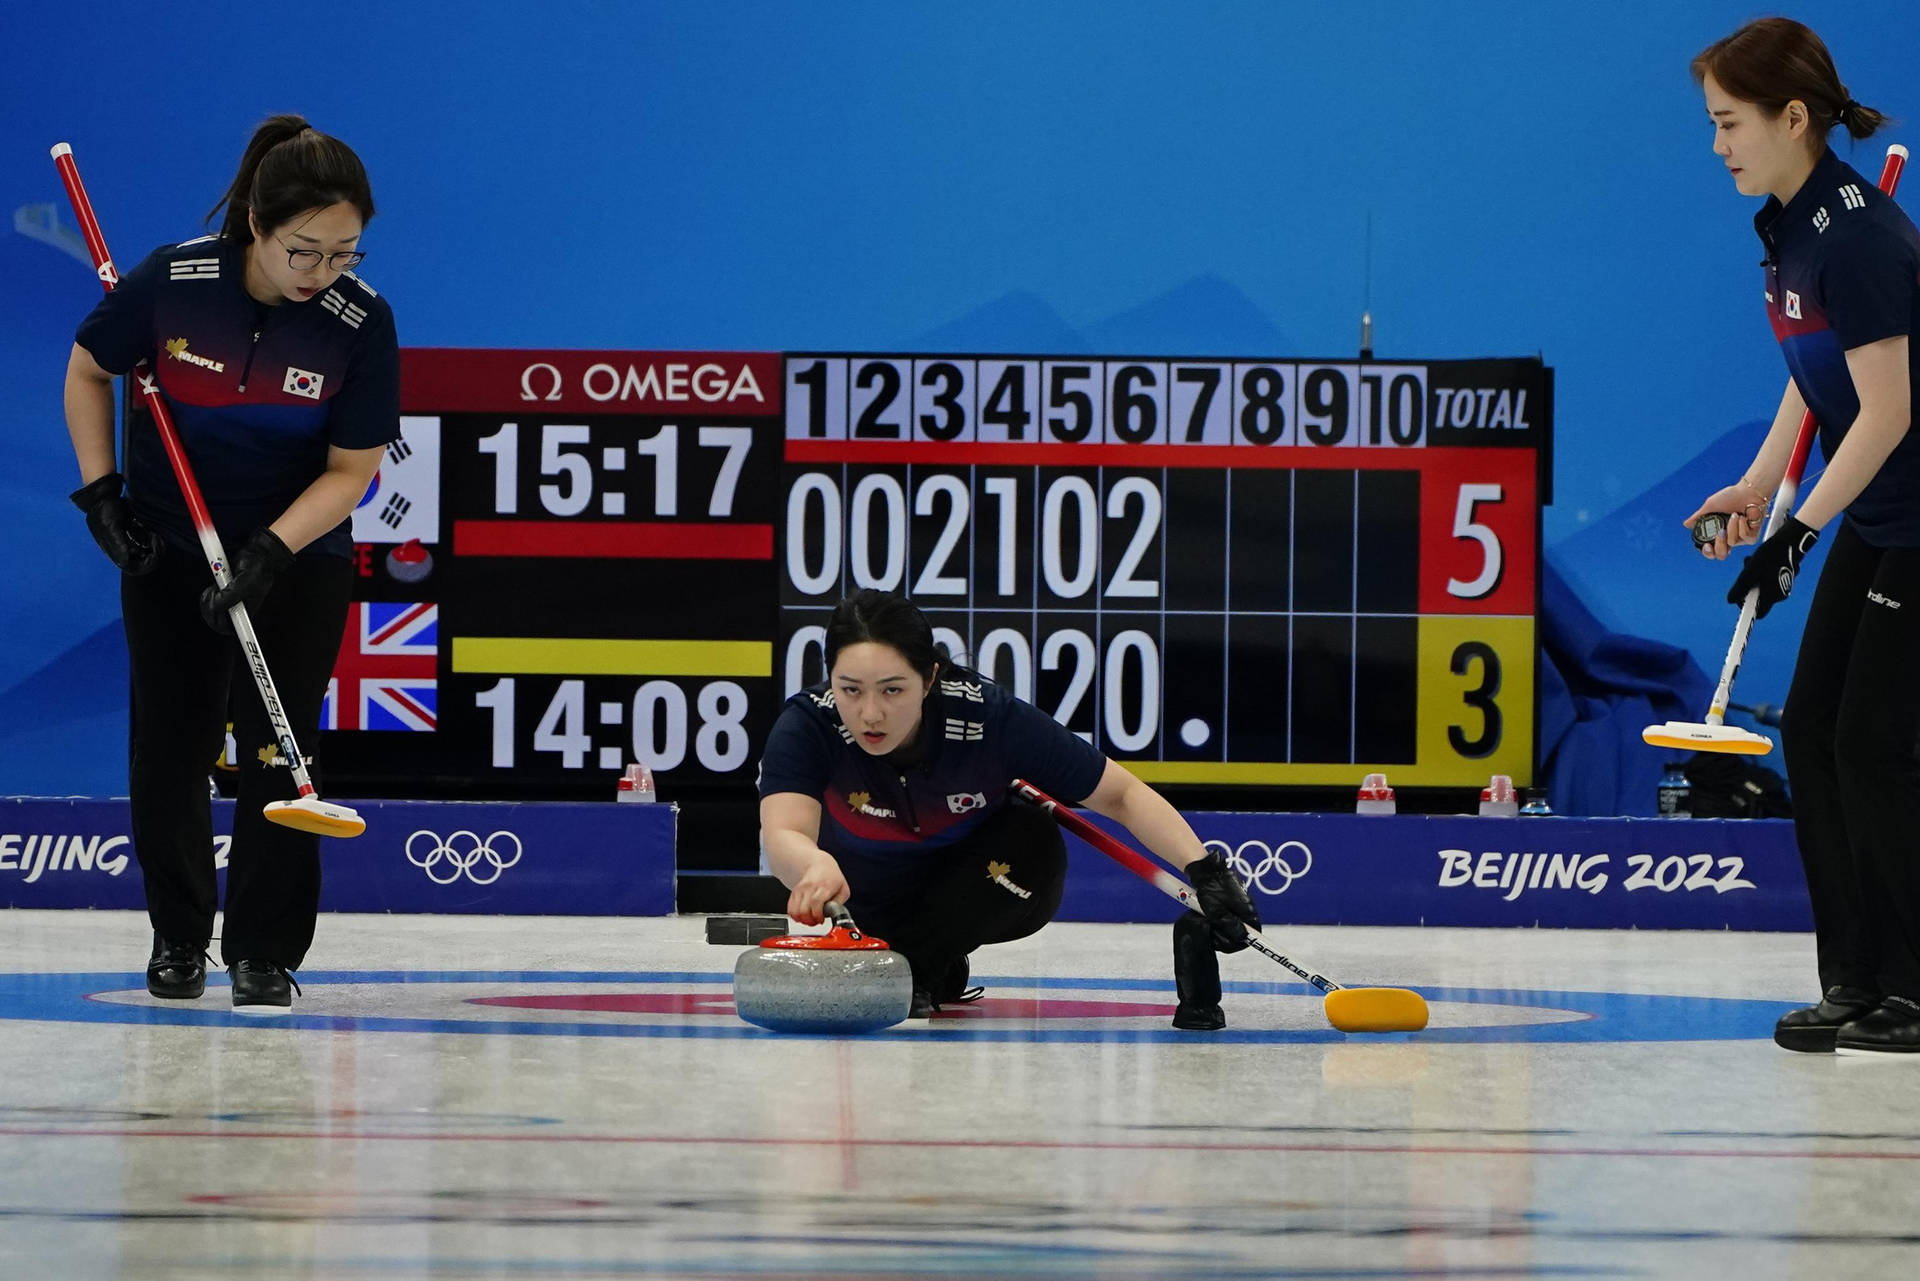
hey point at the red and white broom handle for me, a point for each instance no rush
(1784, 500)
(1152, 873)
(149, 384)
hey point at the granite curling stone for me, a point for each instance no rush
(840, 981)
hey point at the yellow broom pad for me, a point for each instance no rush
(1376, 1009)
(310, 814)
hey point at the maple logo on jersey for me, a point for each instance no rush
(177, 348)
(862, 803)
(1793, 305)
(300, 382)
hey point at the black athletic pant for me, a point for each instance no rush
(1001, 883)
(183, 673)
(1852, 745)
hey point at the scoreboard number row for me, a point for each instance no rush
(1469, 705)
(866, 535)
(1114, 402)
(993, 536)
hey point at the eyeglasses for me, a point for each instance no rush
(308, 259)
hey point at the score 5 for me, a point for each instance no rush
(1478, 533)
(576, 477)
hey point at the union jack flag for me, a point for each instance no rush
(386, 676)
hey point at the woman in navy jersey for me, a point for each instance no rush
(886, 787)
(282, 373)
(1843, 293)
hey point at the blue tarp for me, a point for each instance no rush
(1598, 690)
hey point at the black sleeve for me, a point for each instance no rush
(1049, 755)
(367, 410)
(797, 757)
(118, 332)
(1867, 285)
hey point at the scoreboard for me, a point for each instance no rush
(1280, 572)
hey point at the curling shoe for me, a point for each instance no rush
(954, 988)
(1191, 1017)
(1893, 1028)
(261, 987)
(177, 970)
(923, 1004)
(1812, 1030)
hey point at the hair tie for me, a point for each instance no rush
(1847, 108)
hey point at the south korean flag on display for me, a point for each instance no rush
(403, 502)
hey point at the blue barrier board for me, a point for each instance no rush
(1346, 869)
(415, 856)
(602, 859)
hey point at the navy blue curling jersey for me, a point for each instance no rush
(258, 393)
(1843, 270)
(885, 824)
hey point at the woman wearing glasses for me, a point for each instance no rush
(282, 373)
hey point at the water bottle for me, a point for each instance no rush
(1497, 798)
(1375, 796)
(635, 785)
(1676, 794)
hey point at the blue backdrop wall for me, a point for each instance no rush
(1119, 176)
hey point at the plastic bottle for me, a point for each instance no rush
(1375, 797)
(635, 785)
(1676, 794)
(1497, 799)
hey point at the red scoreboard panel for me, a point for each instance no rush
(1218, 571)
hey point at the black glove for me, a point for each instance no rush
(260, 558)
(127, 542)
(1224, 901)
(1773, 565)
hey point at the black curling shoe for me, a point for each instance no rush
(1893, 1028)
(954, 988)
(177, 970)
(1192, 1017)
(261, 987)
(1812, 1030)
(923, 1004)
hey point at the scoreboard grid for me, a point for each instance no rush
(1191, 749)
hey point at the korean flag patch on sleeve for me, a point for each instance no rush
(299, 382)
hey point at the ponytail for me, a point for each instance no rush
(288, 168)
(1860, 122)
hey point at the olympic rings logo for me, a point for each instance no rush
(462, 854)
(1277, 863)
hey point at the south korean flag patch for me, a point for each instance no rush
(299, 382)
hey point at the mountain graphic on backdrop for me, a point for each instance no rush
(1204, 316)
(1019, 322)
